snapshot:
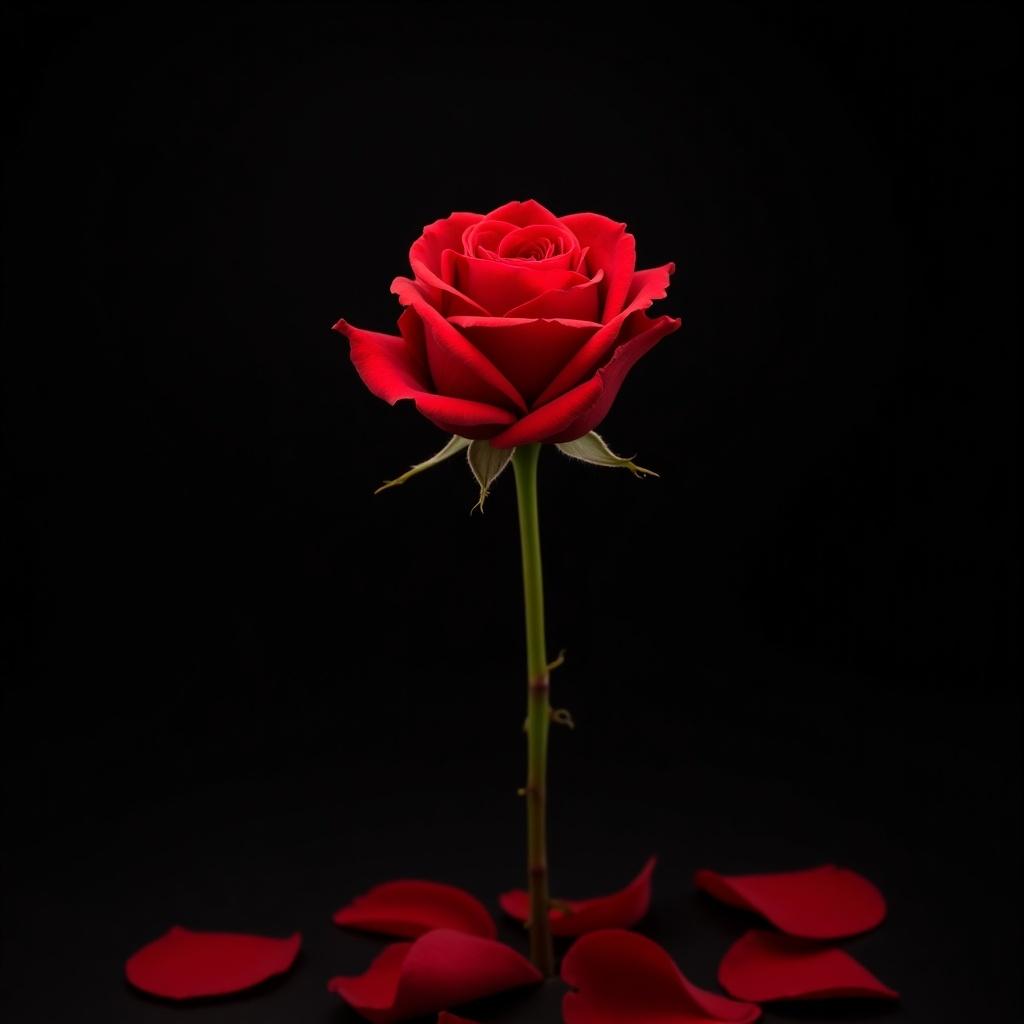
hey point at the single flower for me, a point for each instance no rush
(519, 326)
(818, 903)
(183, 964)
(408, 909)
(764, 966)
(441, 969)
(622, 977)
(621, 909)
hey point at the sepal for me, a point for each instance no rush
(591, 448)
(487, 464)
(453, 447)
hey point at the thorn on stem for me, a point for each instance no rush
(561, 716)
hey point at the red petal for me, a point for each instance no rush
(450, 1018)
(624, 978)
(619, 910)
(523, 214)
(529, 352)
(611, 250)
(763, 966)
(580, 302)
(581, 409)
(440, 969)
(458, 369)
(190, 965)
(646, 288)
(410, 908)
(819, 903)
(501, 285)
(394, 368)
(441, 235)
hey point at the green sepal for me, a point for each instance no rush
(591, 448)
(487, 464)
(453, 447)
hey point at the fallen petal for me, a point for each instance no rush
(409, 909)
(191, 965)
(576, 917)
(764, 966)
(624, 978)
(819, 903)
(440, 969)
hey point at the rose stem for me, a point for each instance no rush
(538, 718)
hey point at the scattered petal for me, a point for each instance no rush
(764, 966)
(408, 909)
(819, 903)
(624, 978)
(440, 969)
(183, 964)
(575, 917)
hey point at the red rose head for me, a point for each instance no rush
(519, 326)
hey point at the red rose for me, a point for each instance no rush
(519, 326)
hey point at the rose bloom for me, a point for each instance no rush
(519, 326)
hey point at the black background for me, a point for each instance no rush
(243, 688)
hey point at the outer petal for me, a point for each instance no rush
(440, 969)
(527, 351)
(501, 285)
(395, 368)
(819, 903)
(580, 410)
(524, 213)
(190, 965)
(764, 966)
(612, 250)
(646, 287)
(411, 908)
(458, 369)
(441, 295)
(441, 235)
(619, 910)
(624, 978)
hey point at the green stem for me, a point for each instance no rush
(538, 716)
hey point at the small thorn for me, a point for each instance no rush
(561, 716)
(558, 662)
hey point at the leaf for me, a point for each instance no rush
(487, 464)
(591, 448)
(455, 445)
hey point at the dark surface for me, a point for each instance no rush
(242, 689)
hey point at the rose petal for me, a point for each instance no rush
(621, 909)
(395, 368)
(443, 296)
(501, 285)
(764, 966)
(819, 903)
(612, 250)
(523, 214)
(183, 964)
(646, 288)
(443, 234)
(581, 409)
(624, 978)
(527, 351)
(457, 368)
(580, 302)
(410, 908)
(440, 969)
